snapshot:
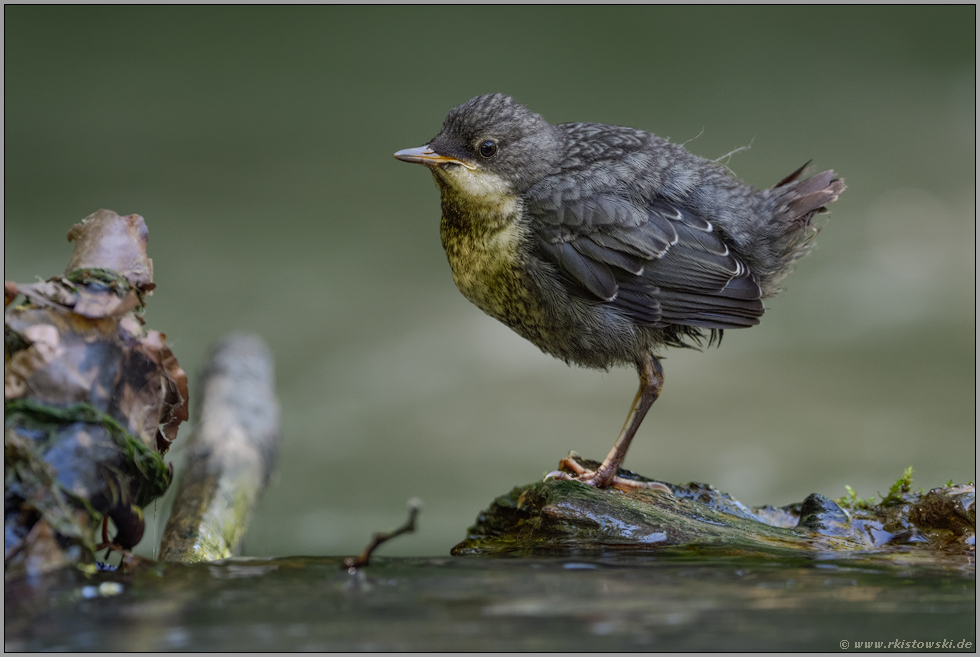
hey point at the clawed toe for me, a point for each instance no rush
(557, 474)
(597, 480)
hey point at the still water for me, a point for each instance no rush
(257, 144)
(676, 602)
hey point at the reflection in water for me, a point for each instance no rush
(658, 601)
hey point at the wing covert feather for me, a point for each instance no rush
(657, 264)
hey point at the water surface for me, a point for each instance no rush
(666, 601)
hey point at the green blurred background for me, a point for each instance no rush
(257, 144)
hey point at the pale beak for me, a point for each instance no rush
(428, 157)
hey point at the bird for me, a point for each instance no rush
(603, 245)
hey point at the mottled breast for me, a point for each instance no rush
(487, 247)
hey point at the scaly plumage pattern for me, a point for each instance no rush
(602, 244)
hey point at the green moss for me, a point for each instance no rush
(898, 491)
(897, 494)
(852, 502)
(12, 343)
(562, 517)
(106, 277)
(155, 475)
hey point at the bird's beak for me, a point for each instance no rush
(428, 157)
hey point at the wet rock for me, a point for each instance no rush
(821, 516)
(566, 517)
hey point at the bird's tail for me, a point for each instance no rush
(795, 201)
(809, 196)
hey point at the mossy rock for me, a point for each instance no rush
(564, 517)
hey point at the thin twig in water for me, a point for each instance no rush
(351, 564)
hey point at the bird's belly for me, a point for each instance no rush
(491, 270)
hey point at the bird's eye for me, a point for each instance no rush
(488, 149)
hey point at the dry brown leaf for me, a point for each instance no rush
(9, 292)
(48, 293)
(175, 395)
(104, 303)
(44, 349)
(83, 379)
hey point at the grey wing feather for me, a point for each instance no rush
(601, 253)
(594, 276)
(684, 268)
(657, 264)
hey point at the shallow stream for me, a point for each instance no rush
(670, 600)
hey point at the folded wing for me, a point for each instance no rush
(656, 263)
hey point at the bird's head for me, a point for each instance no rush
(490, 144)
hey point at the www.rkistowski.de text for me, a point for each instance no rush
(911, 644)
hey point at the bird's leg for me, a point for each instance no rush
(651, 383)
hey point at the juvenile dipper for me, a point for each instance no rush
(603, 244)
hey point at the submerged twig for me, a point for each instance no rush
(351, 564)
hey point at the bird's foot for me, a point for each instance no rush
(599, 478)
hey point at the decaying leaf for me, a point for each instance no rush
(174, 404)
(45, 348)
(104, 304)
(9, 292)
(91, 400)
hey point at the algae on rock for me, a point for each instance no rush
(564, 517)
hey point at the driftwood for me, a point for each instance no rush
(231, 454)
